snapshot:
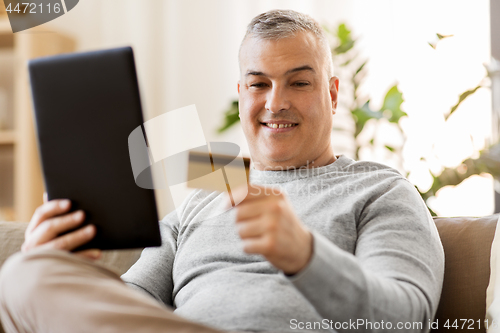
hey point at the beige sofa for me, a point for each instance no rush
(466, 241)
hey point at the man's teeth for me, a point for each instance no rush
(279, 125)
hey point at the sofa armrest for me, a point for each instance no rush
(467, 245)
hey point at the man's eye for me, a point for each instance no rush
(301, 84)
(258, 85)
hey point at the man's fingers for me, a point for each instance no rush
(51, 228)
(49, 221)
(92, 254)
(46, 211)
(259, 245)
(249, 210)
(252, 209)
(255, 192)
(251, 229)
(73, 240)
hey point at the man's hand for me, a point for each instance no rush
(48, 222)
(268, 226)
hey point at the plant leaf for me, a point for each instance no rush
(443, 36)
(392, 149)
(343, 48)
(360, 68)
(488, 162)
(343, 33)
(392, 102)
(362, 115)
(434, 43)
(345, 40)
(462, 98)
(347, 62)
(231, 117)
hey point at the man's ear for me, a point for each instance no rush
(238, 94)
(334, 92)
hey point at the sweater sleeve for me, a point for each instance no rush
(152, 273)
(393, 281)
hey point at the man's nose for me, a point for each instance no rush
(277, 100)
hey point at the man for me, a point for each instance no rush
(321, 242)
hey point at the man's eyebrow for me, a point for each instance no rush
(299, 69)
(256, 73)
(290, 71)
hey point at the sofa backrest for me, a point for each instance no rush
(467, 247)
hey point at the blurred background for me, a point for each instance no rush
(415, 84)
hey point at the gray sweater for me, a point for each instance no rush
(377, 263)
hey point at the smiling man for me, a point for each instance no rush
(288, 95)
(320, 243)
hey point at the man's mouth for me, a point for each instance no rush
(276, 125)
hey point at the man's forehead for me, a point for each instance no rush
(288, 55)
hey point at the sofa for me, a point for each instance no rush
(467, 246)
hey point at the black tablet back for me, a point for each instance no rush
(86, 105)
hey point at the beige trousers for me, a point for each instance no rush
(52, 291)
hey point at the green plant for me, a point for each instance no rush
(351, 69)
(487, 162)
(231, 117)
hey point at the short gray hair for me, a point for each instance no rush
(284, 23)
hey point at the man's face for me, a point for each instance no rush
(285, 84)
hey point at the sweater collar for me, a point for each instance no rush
(276, 177)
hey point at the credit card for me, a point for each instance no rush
(217, 172)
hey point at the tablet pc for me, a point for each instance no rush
(86, 105)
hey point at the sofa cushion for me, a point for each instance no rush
(467, 245)
(493, 291)
(11, 239)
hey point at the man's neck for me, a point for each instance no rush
(328, 157)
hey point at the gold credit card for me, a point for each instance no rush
(216, 172)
